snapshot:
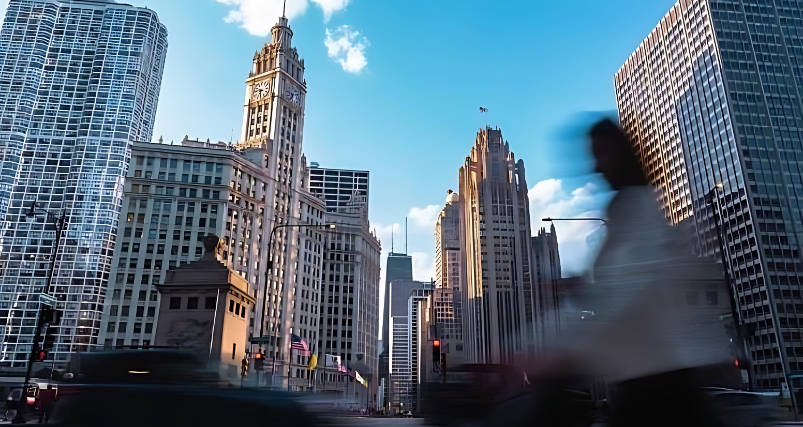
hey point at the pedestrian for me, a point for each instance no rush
(649, 332)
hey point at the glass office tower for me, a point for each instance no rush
(713, 95)
(80, 81)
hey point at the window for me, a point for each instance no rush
(175, 303)
(113, 310)
(140, 311)
(202, 222)
(148, 328)
(211, 302)
(192, 303)
(126, 311)
(151, 311)
(143, 295)
(110, 327)
(137, 328)
(233, 350)
(123, 327)
(231, 306)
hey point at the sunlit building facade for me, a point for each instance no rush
(499, 300)
(713, 95)
(81, 82)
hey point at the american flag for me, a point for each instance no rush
(300, 344)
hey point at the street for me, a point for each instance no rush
(370, 422)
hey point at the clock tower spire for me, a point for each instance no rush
(272, 136)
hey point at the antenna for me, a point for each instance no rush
(284, 9)
(392, 229)
(405, 235)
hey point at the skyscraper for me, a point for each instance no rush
(81, 83)
(404, 357)
(546, 266)
(398, 267)
(339, 188)
(349, 319)
(712, 101)
(272, 135)
(450, 267)
(499, 302)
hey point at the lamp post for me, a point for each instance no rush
(60, 223)
(269, 270)
(548, 219)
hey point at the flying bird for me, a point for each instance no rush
(483, 110)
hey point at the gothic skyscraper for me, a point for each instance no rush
(499, 299)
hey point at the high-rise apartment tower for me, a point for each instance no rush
(81, 82)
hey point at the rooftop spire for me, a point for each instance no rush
(284, 9)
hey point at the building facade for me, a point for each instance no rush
(712, 101)
(349, 319)
(81, 84)
(340, 189)
(499, 300)
(409, 302)
(546, 267)
(174, 196)
(450, 267)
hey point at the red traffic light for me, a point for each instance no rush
(736, 362)
(436, 343)
(257, 355)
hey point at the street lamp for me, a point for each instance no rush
(548, 219)
(60, 222)
(269, 270)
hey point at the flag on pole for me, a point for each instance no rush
(313, 362)
(297, 343)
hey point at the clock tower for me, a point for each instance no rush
(273, 130)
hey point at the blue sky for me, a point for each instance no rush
(401, 96)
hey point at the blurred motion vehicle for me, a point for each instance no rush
(166, 388)
(469, 394)
(748, 409)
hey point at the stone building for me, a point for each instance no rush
(205, 307)
(499, 300)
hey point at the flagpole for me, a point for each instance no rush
(289, 367)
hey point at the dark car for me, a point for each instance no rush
(166, 388)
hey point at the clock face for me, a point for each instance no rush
(261, 90)
(293, 95)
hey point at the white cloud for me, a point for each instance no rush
(259, 16)
(550, 199)
(423, 267)
(330, 7)
(347, 47)
(425, 218)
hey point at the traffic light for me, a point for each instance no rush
(51, 316)
(735, 345)
(436, 351)
(244, 367)
(259, 360)
(39, 355)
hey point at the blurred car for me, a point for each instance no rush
(166, 388)
(747, 409)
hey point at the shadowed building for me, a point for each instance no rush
(713, 95)
(546, 262)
